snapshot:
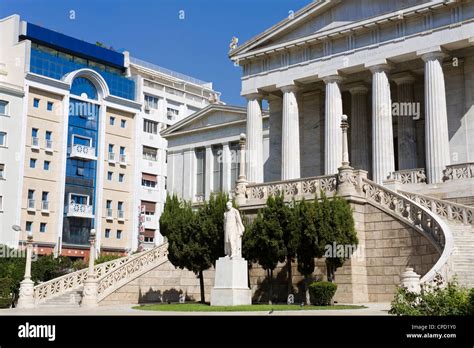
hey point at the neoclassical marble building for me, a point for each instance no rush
(403, 71)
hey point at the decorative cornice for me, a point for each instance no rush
(48, 81)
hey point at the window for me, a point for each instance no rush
(108, 204)
(235, 163)
(1, 203)
(148, 180)
(29, 226)
(80, 140)
(109, 176)
(217, 169)
(121, 177)
(122, 150)
(172, 113)
(48, 135)
(44, 196)
(112, 120)
(123, 123)
(200, 168)
(36, 102)
(3, 107)
(49, 106)
(150, 126)
(151, 102)
(150, 153)
(120, 206)
(46, 165)
(31, 194)
(3, 139)
(2, 171)
(43, 227)
(79, 199)
(107, 233)
(34, 132)
(119, 234)
(111, 148)
(32, 163)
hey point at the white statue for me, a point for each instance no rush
(233, 43)
(233, 231)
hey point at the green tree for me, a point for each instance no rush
(196, 238)
(339, 235)
(263, 241)
(308, 243)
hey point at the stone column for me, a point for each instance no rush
(290, 135)
(254, 138)
(360, 127)
(332, 129)
(27, 299)
(275, 104)
(209, 177)
(407, 154)
(227, 185)
(436, 117)
(241, 185)
(383, 161)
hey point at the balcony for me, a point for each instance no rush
(83, 152)
(151, 222)
(123, 160)
(34, 143)
(80, 210)
(31, 205)
(45, 206)
(48, 145)
(111, 157)
(121, 215)
(109, 214)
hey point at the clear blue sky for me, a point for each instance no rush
(153, 31)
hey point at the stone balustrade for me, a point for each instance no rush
(308, 188)
(409, 176)
(459, 171)
(447, 210)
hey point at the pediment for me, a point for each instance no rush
(208, 117)
(321, 16)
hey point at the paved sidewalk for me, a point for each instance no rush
(372, 309)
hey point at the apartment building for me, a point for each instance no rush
(79, 141)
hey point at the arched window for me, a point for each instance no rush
(84, 88)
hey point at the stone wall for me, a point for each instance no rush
(386, 247)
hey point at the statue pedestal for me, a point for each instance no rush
(231, 283)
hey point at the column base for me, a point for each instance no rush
(89, 298)
(231, 283)
(26, 299)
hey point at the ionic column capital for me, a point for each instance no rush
(403, 78)
(289, 88)
(253, 96)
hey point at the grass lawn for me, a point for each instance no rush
(198, 307)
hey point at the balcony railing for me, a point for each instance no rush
(31, 204)
(82, 151)
(123, 159)
(459, 171)
(45, 206)
(121, 215)
(48, 145)
(35, 142)
(80, 210)
(410, 176)
(111, 157)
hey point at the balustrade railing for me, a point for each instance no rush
(448, 210)
(459, 171)
(132, 268)
(299, 188)
(410, 176)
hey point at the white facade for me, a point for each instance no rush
(203, 151)
(167, 98)
(365, 59)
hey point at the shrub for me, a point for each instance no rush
(6, 285)
(322, 293)
(471, 302)
(105, 258)
(433, 300)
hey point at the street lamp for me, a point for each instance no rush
(26, 299)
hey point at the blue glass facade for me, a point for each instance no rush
(81, 174)
(55, 64)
